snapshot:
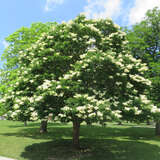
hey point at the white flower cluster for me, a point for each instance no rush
(116, 113)
(143, 68)
(154, 109)
(91, 41)
(117, 26)
(70, 74)
(93, 28)
(129, 85)
(141, 79)
(34, 116)
(38, 98)
(127, 108)
(144, 99)
(45, 85)
(92, 109)
(31, 100)
(137, 111)
(3, 100)
(50, 37)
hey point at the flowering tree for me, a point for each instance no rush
(80, 71)
(18, 41)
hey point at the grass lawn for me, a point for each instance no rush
(126, 142)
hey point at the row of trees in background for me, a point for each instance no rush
(82, 71)
(144, 44)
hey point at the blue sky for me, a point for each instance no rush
(15, 14)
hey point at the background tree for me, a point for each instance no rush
(144, 43)
(19, 41)
(79, 71)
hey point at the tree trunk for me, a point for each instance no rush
(43, 127)
(25, 123)
(89, 123)
(76, 127)
(157, 129)
(148, 122)
(119, 123)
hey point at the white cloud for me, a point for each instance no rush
(5, 44)
(102, 8)
(50, 4)
(139, 9)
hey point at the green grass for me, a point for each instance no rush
(126, 142)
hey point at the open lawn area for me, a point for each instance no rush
(113, 142)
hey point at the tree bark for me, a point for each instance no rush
(25, 123)
(89, 123)
(76, 127)
(43, 127)
(157, 128)
(148, 122)
(119, 123)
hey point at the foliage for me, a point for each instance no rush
(144, 43)
(144, 37)
(18, 41)
(79, 71)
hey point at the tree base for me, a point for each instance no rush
(76, 127)
(157, 129)
(25, 123)
(43, 127)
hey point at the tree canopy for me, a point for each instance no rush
(144, 43)
(20, 40)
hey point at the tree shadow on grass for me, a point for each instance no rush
(35, 124)
(57, 131)
(98, 149)
(104, 143)
(34, 133)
